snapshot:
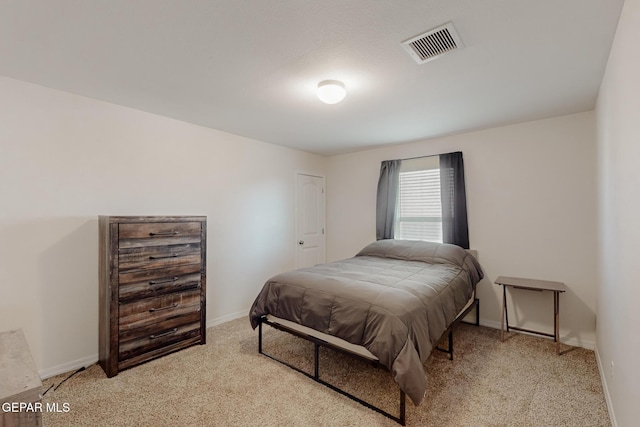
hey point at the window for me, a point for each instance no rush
(419, 206)
(423, 199)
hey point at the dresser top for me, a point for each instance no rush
(19, 379)
(168, 218)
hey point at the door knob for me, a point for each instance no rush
(301, 242)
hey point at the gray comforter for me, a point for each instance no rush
(396, 298)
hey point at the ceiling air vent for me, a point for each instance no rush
(433, 44)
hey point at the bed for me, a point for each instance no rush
(391, 303)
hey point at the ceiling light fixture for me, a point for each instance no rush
(331, 91)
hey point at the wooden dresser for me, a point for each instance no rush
(152, 287)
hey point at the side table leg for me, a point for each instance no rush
(504, 306)
(556, 319)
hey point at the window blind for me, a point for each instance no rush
(419, 210)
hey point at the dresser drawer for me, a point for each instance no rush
(162, 334)
(155, 275)
(158, 284)
(144, 313)
(154, 257)
(158, 234)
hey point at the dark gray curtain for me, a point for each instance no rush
(454, 200)
(388, 185)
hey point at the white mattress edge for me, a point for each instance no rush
(338, 342)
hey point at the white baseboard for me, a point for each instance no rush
(228, 318)
(68, 367)
(605, 389)
(575, 342)
(490, 324)
(90, 360)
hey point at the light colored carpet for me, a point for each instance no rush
(520, 382)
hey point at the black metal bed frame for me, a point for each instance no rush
(317, 343)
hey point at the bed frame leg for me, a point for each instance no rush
(316, 363)
(476, 305)
(401, 419)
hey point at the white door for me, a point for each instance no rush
(310, 240)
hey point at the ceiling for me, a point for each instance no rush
(250, 67)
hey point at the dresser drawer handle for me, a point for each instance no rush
(164, 233)
(158, 282)
(163, 256)
(153, 310)
(164, 334)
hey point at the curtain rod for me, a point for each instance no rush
(430, 155)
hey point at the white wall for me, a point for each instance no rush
(531, 200)
(66, 159)
(618, 133)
